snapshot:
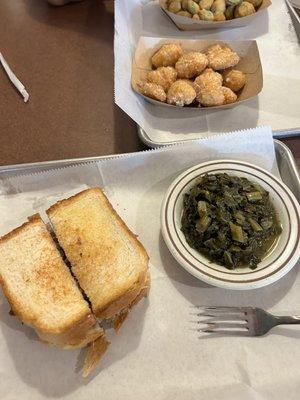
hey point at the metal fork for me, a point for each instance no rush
(246, 321)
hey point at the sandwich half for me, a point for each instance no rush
(109, 263)
(41, 290)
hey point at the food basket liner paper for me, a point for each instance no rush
(279, 52)
(249, 64)
(156, 354)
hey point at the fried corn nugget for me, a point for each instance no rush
(211, 96)
(229, 95)
(153, 91)
(244, 9)
(234, 80)
(191, 64)
(163, 76)
(221, 57)
(181, 93)
(167, 55)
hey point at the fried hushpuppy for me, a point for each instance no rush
(191, 64)
(188, 81)
(221, 57)
(230, 96)
(181, 93)
(208, 78)
(234, 80)
(208, 87)
(163, 76)
(153, 91)
(167, 55)
(211, 96)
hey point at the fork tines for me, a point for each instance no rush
(223, 320)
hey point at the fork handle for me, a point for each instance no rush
(287, 320)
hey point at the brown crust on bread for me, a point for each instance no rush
(144, 290)
(79, 335)
(126, 303)
(121, 317)
(121, 302)
(34, 218)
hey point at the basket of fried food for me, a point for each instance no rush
(208, 14)
(196, 74)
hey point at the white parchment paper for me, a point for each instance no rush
(277, 105)
(156, 354)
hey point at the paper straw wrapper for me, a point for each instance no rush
(14, 80)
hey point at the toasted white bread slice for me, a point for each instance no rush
(108, 261)
(41, 290)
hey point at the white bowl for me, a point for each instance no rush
(274, 266)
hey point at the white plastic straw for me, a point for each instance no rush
(15, 81)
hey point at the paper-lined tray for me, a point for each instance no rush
(156, 354)
(189, 24)
(277, 104)
(249, 64)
